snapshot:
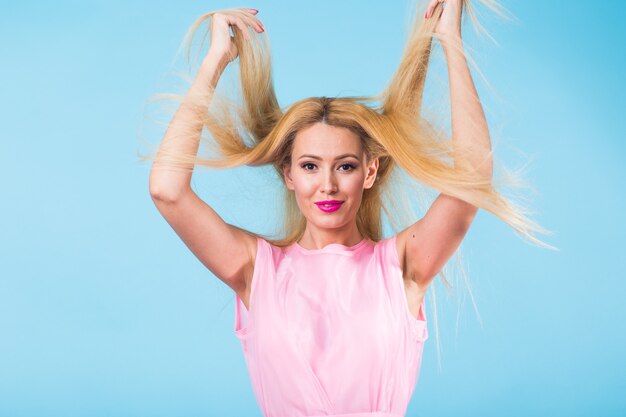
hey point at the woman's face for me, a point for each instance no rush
(328, 163)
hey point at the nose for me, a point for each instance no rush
(329, 183)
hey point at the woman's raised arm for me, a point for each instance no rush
(432, 240)
(226, 250)
(183, 134)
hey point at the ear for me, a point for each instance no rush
(372, 172)
(287, 176)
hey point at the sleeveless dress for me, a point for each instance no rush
(329, 331)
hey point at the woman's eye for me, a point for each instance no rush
(305, 166)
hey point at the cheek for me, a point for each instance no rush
(303, 187)
(353, 186)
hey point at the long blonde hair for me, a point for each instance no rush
(410, 149)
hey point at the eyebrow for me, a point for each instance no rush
(337, 158)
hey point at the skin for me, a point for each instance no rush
(222, 43)
(450, 21)
(327, 178)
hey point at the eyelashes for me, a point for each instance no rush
(351, 166)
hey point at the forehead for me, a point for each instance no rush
(326, 141)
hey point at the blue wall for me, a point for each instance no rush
(105, 312)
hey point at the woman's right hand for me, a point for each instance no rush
(222, 43)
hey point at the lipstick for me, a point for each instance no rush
(329, 206)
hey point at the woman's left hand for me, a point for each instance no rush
(450, 22)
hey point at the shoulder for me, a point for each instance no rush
(393, 248)
(262, 252)
(263, 258)
(387, 250)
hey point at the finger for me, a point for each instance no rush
(259, 25)
(253, 11)
(242, 26)
(429, 9)
(255, 23)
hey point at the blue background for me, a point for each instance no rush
(105, 312)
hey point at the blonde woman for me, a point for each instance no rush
(331, 316)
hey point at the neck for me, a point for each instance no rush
(319, 238)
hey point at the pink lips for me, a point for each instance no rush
(329, 206)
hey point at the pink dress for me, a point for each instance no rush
(329, 331)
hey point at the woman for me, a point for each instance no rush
(331, 317)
